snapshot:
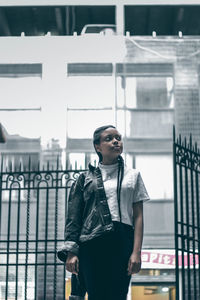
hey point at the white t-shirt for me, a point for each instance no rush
(133, 190)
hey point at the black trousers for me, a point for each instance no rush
(104, 263)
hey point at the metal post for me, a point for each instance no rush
(175, 214)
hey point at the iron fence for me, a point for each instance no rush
(32, 216)
(187, 218)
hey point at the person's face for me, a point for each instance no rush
(110, 146)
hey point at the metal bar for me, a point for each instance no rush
(1, 198)
(70, 171)
(191, 239)
(56, 230)
(198, 221)
(0, 201)
(64, 285)
(66, 207)
(24, 189)
(193, 220)
(27, 230)
(196, 227)
(17, 244)
(41, 188)
(188, 231)
(30, 252)
(31, 241)
(8, 244)
(37, 240)
(46, 242)
(32, 264)
(175, 214)
(182, 230)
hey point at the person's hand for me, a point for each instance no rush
(134, 264)
(72, 263)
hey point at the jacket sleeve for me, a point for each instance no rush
(73, 224)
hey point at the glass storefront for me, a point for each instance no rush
(153, 292)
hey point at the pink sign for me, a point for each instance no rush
(165, 259)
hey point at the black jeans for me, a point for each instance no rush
(104, 263)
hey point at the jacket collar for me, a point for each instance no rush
(92, 168)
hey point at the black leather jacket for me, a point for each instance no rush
(88, 214)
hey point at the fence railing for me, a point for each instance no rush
(32, 216)
(187, 218)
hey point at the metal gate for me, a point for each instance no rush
(187, 218)
(32, 216)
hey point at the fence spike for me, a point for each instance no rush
(190, 141)
(48, 165)
(57, 162)
(196, 147)
(66, 163)
(180, 139)
(185, 141)
(2, 163)
(29, 163)
(174, 133)
(76, 165)
(10, 166)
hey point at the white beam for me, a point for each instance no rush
(95, 2)
(119, 16)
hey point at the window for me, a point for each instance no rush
(145, 105)
(59, 20)
(90, 101)
(164, 19)
(157, 173)
(145, 92)
(21, 88)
